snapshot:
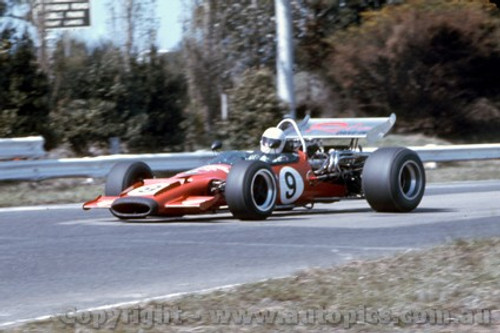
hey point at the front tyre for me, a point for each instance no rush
(124, 175)
(393, 180)
(251, 190)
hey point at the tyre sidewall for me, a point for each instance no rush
(381, 177)
(239, 193)
(405, 204)
(124, 175)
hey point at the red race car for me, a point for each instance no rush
(294, 167)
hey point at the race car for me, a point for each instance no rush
(317, 161)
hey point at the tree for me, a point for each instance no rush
(431, 62)
(24, 104)
(316, 20)
(223, 39)
(154, 99)
(3, 7)
(254, 107)
(86, 86)
(96, 99)
(134, 23)
(29, 18)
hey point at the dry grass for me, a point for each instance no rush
(464, 171)
(58, 191)
(463, 276)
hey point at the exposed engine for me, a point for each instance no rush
(340, 164)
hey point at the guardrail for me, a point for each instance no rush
(455, 153)
(100, 166)
(30, 147)
(97, 166)
(433, 153)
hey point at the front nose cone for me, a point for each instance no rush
(134, 207)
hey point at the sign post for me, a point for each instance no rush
(60, 14)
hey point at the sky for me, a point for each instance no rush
(169, 32)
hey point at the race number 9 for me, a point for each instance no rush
(291, 185)
(147, 190)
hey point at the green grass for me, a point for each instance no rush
(462, 276)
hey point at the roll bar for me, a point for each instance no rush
(296, 128)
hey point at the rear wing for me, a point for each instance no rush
(371, 129)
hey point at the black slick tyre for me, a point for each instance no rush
(251, 190)
(125, 174)
(393, 180)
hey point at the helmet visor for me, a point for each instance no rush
(271, 143)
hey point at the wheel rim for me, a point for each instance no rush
(263, 190)
(410, 180)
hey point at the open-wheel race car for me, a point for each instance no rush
(316, 161)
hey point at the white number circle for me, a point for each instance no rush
(291, 185)
(151, 189)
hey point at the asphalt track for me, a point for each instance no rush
(58, 258)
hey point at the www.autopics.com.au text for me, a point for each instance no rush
(153, 316)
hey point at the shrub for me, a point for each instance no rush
(86, 122)
(429, 61)
(154, 101)
(24, 103)
(96, 97)
(253, 107)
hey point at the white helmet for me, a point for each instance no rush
(272, 141)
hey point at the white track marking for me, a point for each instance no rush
(133, 303)
(39, 208)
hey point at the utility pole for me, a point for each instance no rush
(37, 8)
(284, 59)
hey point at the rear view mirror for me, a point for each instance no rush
(216, 145)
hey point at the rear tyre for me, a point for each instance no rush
(393, 180)
(124, 175)
(251, 190)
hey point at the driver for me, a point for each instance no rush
(272, 143)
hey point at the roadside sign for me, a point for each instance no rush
(60, 14)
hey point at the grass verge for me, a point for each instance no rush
(450, 288)
(55, 191)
